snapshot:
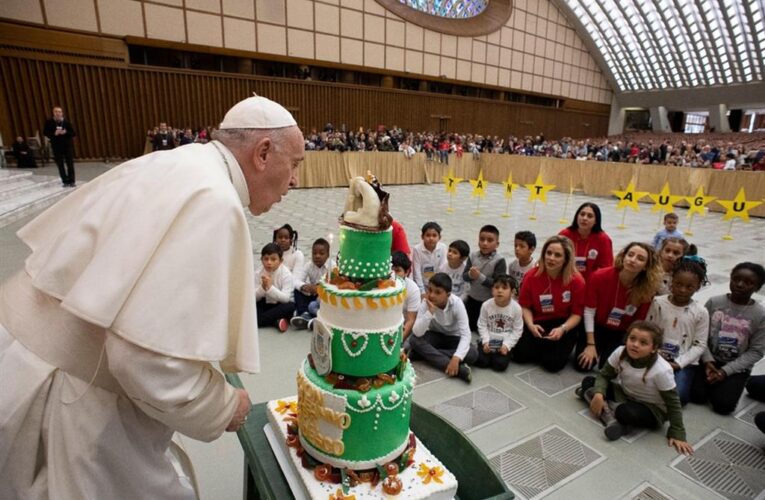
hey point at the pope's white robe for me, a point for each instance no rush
(136, 284)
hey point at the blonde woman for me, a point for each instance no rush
(552, 299)
(616, 296)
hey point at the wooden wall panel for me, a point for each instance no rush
(113, 107)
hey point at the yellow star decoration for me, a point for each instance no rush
(430, 474)
(629, 197)
(738, 207)
(479, 185)
(286, 406)
(339, 496)
(664, 200)
(509, 186)
(697, 203)
(450, 182)
(538, 190)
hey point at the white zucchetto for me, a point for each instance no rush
(257, 112)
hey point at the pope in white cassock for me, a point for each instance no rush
(138, 283)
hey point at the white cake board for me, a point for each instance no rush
(304, 486)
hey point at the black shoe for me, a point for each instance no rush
(300, 322)
(465, 373)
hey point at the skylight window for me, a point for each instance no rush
(676, 43)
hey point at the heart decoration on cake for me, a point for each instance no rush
(354, 343)
(388, 341)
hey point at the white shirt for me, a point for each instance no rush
(282, 286)
(426, 263)
(660, 377)
(460, 287)
(293, 259)
(309, 274)
(686, 329)
(500, 324)
(412, 302)
(452, 320)
(516, 270)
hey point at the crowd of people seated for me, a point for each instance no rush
(163, 137)
(731, 151)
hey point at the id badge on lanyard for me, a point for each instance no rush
(615, 317)
(581, 263)
(546, 303)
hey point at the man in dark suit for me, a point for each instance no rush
(61, 134)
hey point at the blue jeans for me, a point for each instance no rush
(684, 381)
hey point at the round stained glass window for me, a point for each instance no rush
(453, 17)
(452, 9)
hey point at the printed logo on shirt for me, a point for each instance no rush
(630, 310)
(669, 351)
(592, 254)
(428, 272)
(566, 296)
(615, 317)
(456, 288)
(581, 263)
(546, 303)
(499, 323)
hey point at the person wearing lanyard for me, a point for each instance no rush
(552, 299)
(616, 296)
(592, 245)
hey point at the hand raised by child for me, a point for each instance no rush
(681, 446)
(265, 282)
(504, 350)
(431, 306)
(597, 404)
(474, 273)
(453, 368)
(486, 348)
(308, 289)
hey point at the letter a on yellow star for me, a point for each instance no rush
(697, 203)
(538, 190)
(629, 197)
(509, 186)
(664, 200)
(450, 182)
(738, 207)
(479, 185)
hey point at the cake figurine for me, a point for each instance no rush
(350, 426)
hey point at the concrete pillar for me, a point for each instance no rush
(616, 120)
(718, 118)
(659, 120)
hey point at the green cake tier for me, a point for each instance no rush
(344, 341)
(364, 254)
(352, 429)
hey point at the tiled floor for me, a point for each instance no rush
(477, 408)
(580, 462)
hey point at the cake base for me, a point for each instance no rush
(417, 482)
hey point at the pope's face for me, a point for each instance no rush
(280, 172)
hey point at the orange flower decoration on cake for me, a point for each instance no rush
(339, 496)
(430, 474)
(284, 407)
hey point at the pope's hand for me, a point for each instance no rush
(242, 410)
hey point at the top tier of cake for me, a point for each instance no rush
(364, 255)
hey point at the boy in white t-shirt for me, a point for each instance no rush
(274, 289)
(454, 267)
(401, 265)
(500, 325)
(428, 255)
(525, 244)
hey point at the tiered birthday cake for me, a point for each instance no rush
(349, 429)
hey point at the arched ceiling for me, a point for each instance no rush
(648, 45)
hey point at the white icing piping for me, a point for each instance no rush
(386, 331)
(352, 464)
(355, 336)
(384, 337)
(367, 407)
